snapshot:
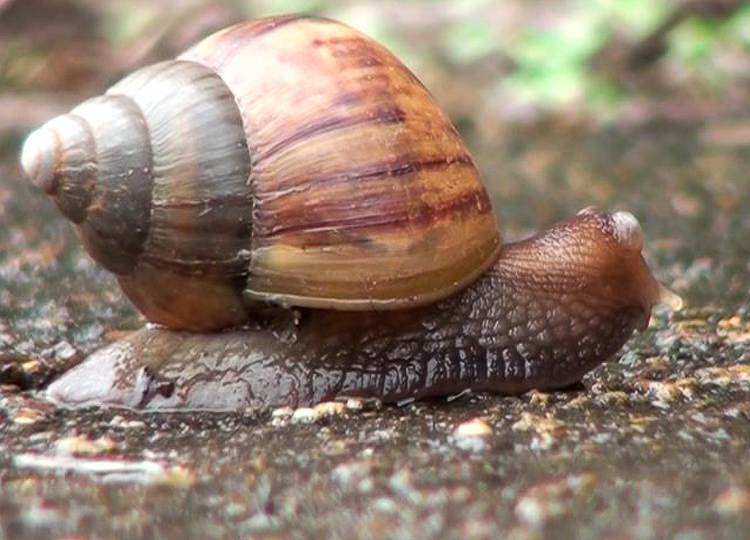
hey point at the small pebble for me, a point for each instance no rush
(471, 435)
(282, 412)
(331, 408)
(120, 422)
(363, 404)
(473, 428)
(281, 416)
(28, 416)
(305, 415)
(77, 445)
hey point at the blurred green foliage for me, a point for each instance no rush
(553, 53)
(531, 55)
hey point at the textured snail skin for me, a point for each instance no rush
(552, 308)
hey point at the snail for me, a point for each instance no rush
(299, 220)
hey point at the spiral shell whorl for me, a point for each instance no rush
(86, 161)
(59, 159)
(155, 177)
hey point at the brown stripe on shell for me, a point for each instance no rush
(411, 167)
(359, 52)
(384, 114)
(466, 204)
(217, 201)
(378, 171)
(217, 269)
(221, 204)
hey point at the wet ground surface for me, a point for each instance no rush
(652, 445)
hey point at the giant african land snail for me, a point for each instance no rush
(293, 162)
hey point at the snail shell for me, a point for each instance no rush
(285, 160)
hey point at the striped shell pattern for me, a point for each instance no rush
(287, 160)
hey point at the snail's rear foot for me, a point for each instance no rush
(158, 369)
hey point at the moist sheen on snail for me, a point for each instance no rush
(300, 220)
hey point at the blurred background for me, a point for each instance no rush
(490, 63)
(625, 104)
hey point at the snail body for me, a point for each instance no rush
(290, 176)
